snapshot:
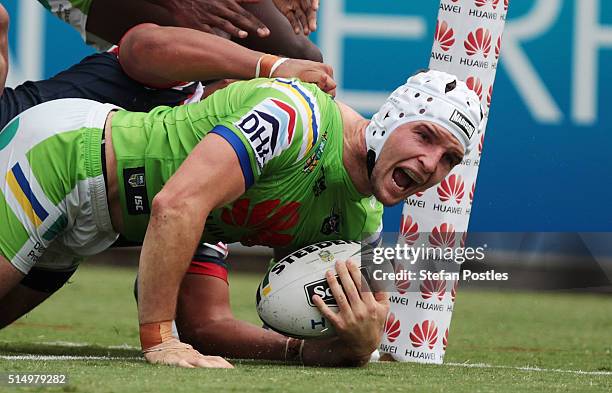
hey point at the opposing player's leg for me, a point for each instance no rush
(32, 290)
(282, 39)
(9, 277)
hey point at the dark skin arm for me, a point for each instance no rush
(204, 319)
(4, 63)
(224, 16)
(9, 276)
(256, 24)
(282, 40)
(147, 51)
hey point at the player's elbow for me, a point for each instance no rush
(171, 205)
(139, 47)
(167, 206)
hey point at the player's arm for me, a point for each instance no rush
(161, 56)
(282, 40)
(205, 15)
(205, 320)
(4, 63)
(209, 177)
(9, 276)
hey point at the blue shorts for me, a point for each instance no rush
(98, 77)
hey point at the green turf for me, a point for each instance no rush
(505, 329)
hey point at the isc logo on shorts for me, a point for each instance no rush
(269, 128)
(135, 186)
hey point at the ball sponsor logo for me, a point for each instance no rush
(321, 288)
(506, 5)
(444, 36)
(489, 96)
(478, 41)
(409, 229)
(443, 236)
(392, 328)
(424, 335)
(433, 289)
(480, 143)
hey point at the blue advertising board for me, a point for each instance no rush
(546, 161)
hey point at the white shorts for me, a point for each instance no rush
(53, 203)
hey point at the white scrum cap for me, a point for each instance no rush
(433, 96)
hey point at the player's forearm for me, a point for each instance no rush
(157, 55)
(238, 339)
(125, 15)
(331, 353)
(173, 232)
(233, 338)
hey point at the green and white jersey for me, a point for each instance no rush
(288, 137)
(74, 12)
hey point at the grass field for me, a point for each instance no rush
(500, 342)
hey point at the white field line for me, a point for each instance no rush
(467, 365)
(125, 346)
(62, 357)
(78, 345)
(70, 357)
(529, 368)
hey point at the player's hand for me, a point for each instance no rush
(309, 71)
(175, 353)
(225, 15)
(302, 14)
(361, 317)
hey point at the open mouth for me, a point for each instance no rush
(404, 179)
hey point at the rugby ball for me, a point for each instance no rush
(284, 296)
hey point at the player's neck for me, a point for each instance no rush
(354, 148)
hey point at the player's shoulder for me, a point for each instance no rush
(295, 89)
(293, 92)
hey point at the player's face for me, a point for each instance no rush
(416, 156)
